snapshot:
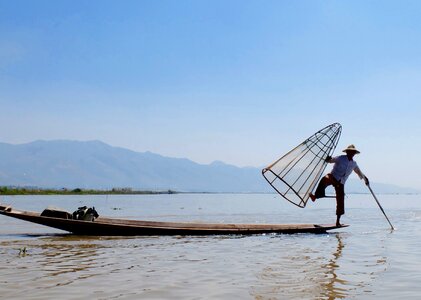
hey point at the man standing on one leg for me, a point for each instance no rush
(342, 168)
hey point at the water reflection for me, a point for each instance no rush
(333, 266)
(364, 261)
(62, 258)
(306, 271)
(334, 288)
(52, 261)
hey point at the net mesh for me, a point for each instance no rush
(296, 173)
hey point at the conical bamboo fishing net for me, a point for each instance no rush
(296, 173)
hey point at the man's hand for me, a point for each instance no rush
(328, 159)
(366, 180)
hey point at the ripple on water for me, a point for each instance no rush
(262, 267)
(363, 261)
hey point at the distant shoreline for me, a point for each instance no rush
(16, 191)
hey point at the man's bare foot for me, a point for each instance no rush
(338, 224)
(312, 197)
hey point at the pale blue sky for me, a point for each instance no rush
(236, 81)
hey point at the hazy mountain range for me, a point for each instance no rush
(94, 164)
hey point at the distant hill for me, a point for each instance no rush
(94, 164)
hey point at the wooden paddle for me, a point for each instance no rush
(381, 208)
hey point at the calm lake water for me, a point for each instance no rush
(364, 261)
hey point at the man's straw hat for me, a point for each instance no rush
(351, 148)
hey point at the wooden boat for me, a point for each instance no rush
(112, 227)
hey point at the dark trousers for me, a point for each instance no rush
(339, 189)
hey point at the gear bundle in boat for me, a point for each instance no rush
(82, 213)
(86, 214)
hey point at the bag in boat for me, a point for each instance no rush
(86, 214)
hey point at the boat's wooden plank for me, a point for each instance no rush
(109, 226)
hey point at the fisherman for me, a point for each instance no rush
(342, 168)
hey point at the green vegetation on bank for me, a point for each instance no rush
(4, 190)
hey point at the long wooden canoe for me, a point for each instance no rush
(112, 227)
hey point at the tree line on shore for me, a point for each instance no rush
(7, 190)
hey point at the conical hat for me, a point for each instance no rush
(351, 148)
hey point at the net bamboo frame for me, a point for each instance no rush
(296, 174)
